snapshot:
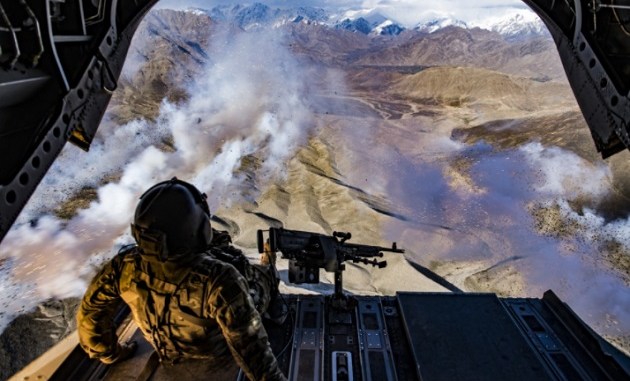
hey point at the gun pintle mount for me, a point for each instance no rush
(308, 252)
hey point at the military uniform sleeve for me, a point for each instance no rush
(232, 307)
(95, 318)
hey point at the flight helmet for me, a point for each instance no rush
(172, 219)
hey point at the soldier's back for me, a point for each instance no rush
(171, 305)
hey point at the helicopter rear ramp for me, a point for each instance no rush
(411, 336)
(479, 342)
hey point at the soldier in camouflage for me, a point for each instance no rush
(195, 297)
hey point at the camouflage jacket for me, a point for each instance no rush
(199, 309)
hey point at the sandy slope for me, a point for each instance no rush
(314, 197)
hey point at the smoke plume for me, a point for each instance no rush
(250, 101)
(495, 219)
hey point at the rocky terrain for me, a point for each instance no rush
(465, 147)
(30, 335)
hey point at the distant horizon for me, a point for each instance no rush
(408, 13)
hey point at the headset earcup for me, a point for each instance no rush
(205, 233)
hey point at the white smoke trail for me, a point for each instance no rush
(251, 100)
(564, 174)
(258, 107)
(446, 224)
(112, 149)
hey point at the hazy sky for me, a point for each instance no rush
(407, 12)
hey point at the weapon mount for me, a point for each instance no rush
(308, 252)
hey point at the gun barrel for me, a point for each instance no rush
(370, 251)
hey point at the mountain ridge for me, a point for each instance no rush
(513, 26)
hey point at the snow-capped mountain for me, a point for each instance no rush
(255, 15)
(258, 15)
(197, 11)
(439, 23)
(514, 26)
(358, 25)
(361, 25)
(519, 26)
(367, 22)
(387, 28)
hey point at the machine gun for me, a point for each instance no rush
(308, 252)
